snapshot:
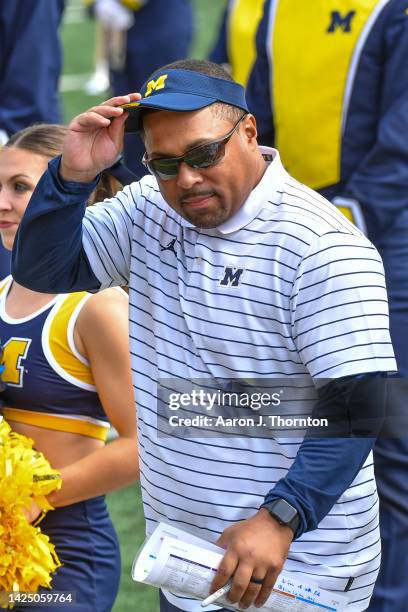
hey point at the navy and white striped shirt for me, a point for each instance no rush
(310, 301)
(287, 287)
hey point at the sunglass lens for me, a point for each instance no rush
(205, 156)
(164, 168)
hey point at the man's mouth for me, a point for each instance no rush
(199, 200)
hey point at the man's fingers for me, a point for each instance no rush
(266, 588)
(106, 111)
(243, 590)
(90, 120)
(225, 570)
(117, 100)
(116, 128)
(97, 117)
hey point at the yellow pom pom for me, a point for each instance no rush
(27, 557)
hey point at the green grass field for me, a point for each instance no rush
(78, 36)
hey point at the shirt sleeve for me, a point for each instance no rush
(340, 326)
(339, 308)
(61, 246)
(107, 238)
(325, 467)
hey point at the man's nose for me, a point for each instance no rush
(188, 176)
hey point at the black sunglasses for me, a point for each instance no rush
(203, 156)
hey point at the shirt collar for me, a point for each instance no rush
(266, 189)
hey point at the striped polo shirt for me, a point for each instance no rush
(287, 287)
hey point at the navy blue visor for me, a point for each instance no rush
(183, 91)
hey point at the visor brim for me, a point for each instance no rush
(175, 102)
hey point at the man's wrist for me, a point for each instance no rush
(272, 520)
(71, 176)
(283, 512)
(83, 189)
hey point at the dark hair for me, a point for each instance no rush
(203, 66)
(219, 109)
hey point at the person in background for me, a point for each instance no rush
(330, 89)
(142, 35)
(67, 376)
(30, 66)
(235, 44)
(30, 63)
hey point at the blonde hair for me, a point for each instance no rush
(44, 139)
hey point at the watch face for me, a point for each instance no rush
(284, 513)
(283, 510)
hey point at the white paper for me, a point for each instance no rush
(185, 564)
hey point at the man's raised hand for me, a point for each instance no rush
(95, 139)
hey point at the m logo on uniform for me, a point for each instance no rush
(231, 277)
(154, 85)
(338, 21)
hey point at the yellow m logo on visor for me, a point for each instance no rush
(154, 85)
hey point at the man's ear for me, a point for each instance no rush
(250, 129)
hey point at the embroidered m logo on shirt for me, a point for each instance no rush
(232, 277)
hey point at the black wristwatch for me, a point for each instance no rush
(284, 513)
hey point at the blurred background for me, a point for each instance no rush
(78, 34)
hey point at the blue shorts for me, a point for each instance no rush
(88, 548)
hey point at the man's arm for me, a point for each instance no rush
(341, 331)
(48, 253)
(339, 320)
(325, 466)
(322, 470)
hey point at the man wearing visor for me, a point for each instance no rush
(236, 271)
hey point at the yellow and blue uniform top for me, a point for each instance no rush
(48, 382)
(235, 44)
(329, 89)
